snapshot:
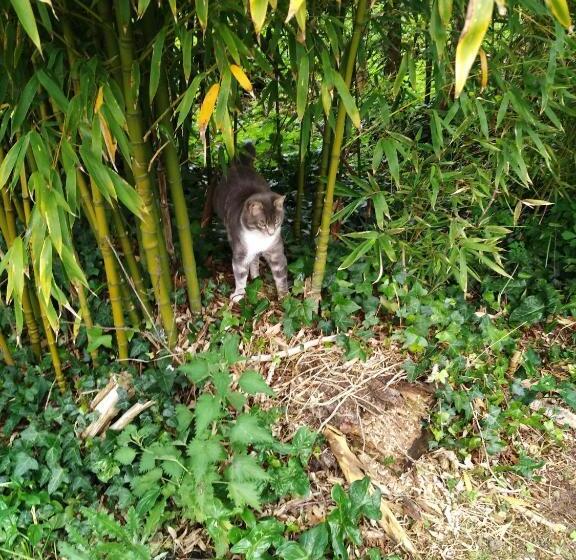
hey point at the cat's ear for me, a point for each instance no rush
(254, 207)
(279, 202)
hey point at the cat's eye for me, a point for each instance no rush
(261, 224)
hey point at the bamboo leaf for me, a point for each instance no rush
(389, 146)
(559, 9)
(207, 107)
(24, 101)
(377, 156)
(188, 99)
(482, 118)
(230, 42)
(478, 18)
(112, 104)
(54, 90)
(202, 13)
(16, 267)
(25, 14)
(187, 54)
(142, 7)
(502, 110)
(98, 173)
(15, 154)
(241, 78)
(49, 207)
(156, 64)
(484, 69)
(380, 209)
(491, 264)
(356, 253)
(294, 6)
(462, 271)
(45, 268)
(326, 97)
(386, 245)
(347, 99)
(301, 19)
(206, 110)
(258, 9)
(302, 86)
(445, 11)
(127, 195)
(400, 76)
(173, 8)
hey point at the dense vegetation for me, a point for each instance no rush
(427, 149)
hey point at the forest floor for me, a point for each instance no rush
(449, 506)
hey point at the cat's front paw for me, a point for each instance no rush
(237, 296)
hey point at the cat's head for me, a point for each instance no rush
(264, 213)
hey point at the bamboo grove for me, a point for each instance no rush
(102, 101)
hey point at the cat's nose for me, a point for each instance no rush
(271, 230)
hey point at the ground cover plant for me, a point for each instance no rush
(427, 153)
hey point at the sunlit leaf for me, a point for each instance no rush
(25, 14)
(258, 9)
(478, 18)
(347, 99)
(241, 78)
(202, 13)
(559, 9)
(45, 269)
(302, 86)
(188, 99)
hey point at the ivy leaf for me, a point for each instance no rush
(530, 311)
(24, 463)
(251, 382)
(315, 541)
(56, 479)
(247, 430)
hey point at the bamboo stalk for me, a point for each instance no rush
(174, 179)
(133, 268)
(111, 273)
(299, 192)
(322, 245)
(319, 195)
(5, 351)
(10, 235)
(151, 236)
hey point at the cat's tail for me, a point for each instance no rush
(246, 154)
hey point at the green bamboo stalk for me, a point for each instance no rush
(5, 351)
(85, 312)
(322, 245)
(299, 192)
(111, 273)
(151, 237)
(174, 179)
(128, 304)
(132, 264)
(319, 195)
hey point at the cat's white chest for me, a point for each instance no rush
(256, 242)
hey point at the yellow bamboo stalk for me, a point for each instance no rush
(5, 351)
(151, 237)
(111, 272)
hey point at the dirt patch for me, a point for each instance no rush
(452, 509)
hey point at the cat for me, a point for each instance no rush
(252, 214)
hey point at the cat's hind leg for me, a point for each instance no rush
(255, 267)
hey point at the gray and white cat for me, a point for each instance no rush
(252, 214)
